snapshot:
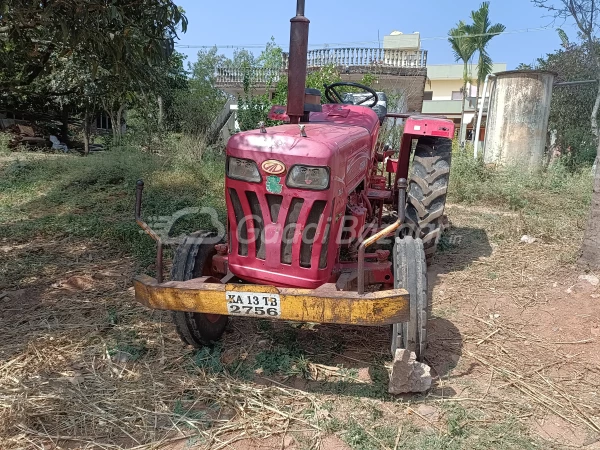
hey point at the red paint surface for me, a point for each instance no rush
(341, 138)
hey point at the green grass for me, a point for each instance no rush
(552, 204)
(57, 196)
(209, 359)
(463, 429)
(472, 182)
(4, 139)
(130, 344)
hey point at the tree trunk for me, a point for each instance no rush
(594, 117)
(590, 251)
(64, 129)
(119, 115)
(463, 125)
(111, 116)
(159, 99)
(86, 132)
(477, 105)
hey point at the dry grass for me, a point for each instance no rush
(89, 368)
(83, 366)
(500, 294)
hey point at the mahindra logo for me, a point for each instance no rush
(273, 167)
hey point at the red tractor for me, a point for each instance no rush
(305, 201)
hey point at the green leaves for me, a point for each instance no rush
(124, 36)
(482, 32)
(571, 107)
(462, 44)
(466, 39)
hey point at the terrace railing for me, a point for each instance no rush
(258, 75)
(341, 57)
(349, 57)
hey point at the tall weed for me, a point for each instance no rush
(4, 139)
(471, 181)
(93, 197)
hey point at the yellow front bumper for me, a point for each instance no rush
(322, 305)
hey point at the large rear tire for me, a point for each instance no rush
(427, 189)
(410, 273)
(193, 259)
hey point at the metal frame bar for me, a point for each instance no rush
(325, 304)
(149, 231)
(402, 185)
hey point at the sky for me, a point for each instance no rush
(355, 23)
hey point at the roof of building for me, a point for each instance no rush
(455, 71)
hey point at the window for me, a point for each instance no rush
(457, 95)
(103, 122)
(428, 95)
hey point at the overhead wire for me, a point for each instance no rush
(355, 43)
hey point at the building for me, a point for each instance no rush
(401, 71)
(399, 68)
(443, 93)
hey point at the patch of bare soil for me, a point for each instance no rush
(513, 336)
(526, 344)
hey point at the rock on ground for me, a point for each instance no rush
(592, 279)
(408, 375)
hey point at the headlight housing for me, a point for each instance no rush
(308, 177)
(243, 169)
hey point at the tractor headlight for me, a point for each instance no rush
(308, 177)
(243, 169)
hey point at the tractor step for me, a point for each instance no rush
(325, 304)
(378, 194)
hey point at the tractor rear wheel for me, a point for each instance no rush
(427, 188)
(410, 273)
(193, 259)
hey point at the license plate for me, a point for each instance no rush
(253, 304)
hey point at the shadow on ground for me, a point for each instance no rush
(361, 354)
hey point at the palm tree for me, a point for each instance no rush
(482, 32)
(463, 48)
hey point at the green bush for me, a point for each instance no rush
(93, 197)
(471, 181)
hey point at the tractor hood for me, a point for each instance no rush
(280, 231)
(341, 137)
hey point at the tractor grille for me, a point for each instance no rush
(287, 243)
(308, 235)
(241, 230)
(313, 212)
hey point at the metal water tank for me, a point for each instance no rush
(517, 120)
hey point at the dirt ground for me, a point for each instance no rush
(513, 347)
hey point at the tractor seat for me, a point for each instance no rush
(380, 107)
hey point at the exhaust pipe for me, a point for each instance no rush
(297, 63)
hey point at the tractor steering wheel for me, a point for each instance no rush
(334, 97)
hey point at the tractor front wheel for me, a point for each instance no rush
(410, 273)
(193, 259)
(427, 188)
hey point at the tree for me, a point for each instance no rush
(524, 66)
(86, 53)
(463, 48)
(571, 103)
(585, 15)
(272, 56)
(243, 59)
(196, 108)
(101, 33)
(482, 32)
